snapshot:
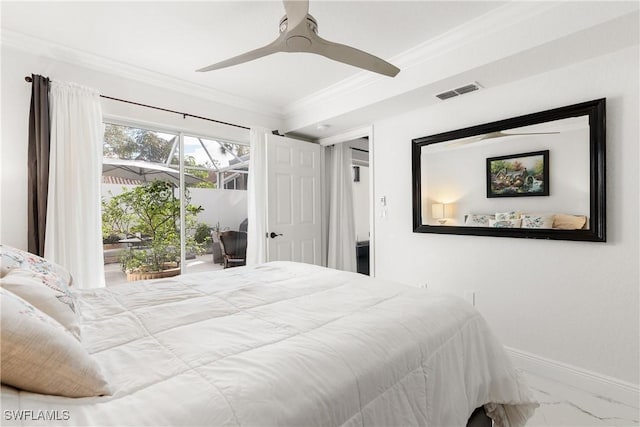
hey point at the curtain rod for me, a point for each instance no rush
(28, 79)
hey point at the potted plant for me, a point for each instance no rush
(203, 237)
(152, 212)
(160, 259)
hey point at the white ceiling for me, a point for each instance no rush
(175, 38)
(439, 45)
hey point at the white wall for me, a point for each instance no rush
(572, 302)
(361, 204)
(17, 64)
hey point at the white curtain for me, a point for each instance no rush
(73, 236)
(341, 241)
(257, 197)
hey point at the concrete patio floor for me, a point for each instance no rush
(115, 276)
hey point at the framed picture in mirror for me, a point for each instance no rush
(517, 175)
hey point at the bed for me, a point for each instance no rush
(283, 344)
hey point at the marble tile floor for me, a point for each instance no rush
(565, 406)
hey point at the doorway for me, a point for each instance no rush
(365, 137)
(361, 201)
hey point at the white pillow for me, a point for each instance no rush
(505, 223)
(501, 216)
(40, 355)
(569, 222)
(536, 221)
(478, 220)
(46, 293)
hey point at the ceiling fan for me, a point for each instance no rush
(299, 33)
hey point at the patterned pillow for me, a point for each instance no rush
(505, 223)
(501, 216)
(537, 221)
(478, 220)
(46, 293)
(40, 355)
(11, 258)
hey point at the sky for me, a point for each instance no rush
(192, 147)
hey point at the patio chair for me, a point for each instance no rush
(234, 248)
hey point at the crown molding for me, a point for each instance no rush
(44, 48)
(496, 20)
(507, 20)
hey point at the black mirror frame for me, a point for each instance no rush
(597, 204)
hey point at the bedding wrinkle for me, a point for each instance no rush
(189, 369)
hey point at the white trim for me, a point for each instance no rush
(69, 55)
(183, 209)
(592, 382)
(324, 223)
(496, 19)
(350, 135)
(363, 132)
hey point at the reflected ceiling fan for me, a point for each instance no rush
(299, 33)
(497, 134)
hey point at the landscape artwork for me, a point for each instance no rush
(525, 174)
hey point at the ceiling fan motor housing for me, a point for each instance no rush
(311, 23)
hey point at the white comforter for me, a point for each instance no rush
(286, 344)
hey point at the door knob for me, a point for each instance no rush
(274, 235)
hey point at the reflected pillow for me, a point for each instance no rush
(40, 355)
(501, 216)
(536, 221)
(505, 223)
(569, 222)
(44, 292)
(478, 220)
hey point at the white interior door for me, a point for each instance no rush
(294, 230)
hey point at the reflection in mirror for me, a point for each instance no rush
(454, 172)
(539, 176)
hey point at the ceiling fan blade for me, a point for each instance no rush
(296, 11)
(352, 56)
(500, 134)
(273, 47)
(492, 135)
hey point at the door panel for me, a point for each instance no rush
(293, 200)
(284, 199)
(307, 200)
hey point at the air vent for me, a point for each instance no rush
(459, 91)
(447, 95)
(466, 89)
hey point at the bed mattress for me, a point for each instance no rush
(284, 344)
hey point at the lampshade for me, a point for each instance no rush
(437, 210)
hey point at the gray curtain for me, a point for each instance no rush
(38, 163)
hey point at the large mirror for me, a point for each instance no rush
(537, 176)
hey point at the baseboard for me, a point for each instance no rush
(594, 383)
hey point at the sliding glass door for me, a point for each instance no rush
(146, 233)
(222, 168)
